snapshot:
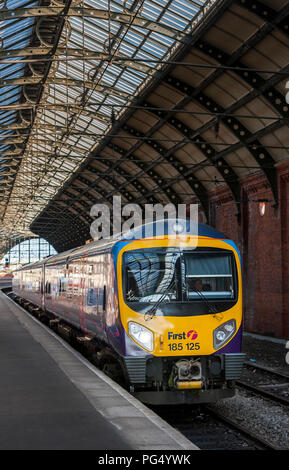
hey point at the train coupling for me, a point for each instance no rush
(190, 385)
(187, 374)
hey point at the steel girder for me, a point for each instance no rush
(266, 162)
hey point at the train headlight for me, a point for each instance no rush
(223, 333)
(142, 335)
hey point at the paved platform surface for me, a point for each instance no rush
(53, 398)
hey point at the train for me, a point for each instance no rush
(163, 314)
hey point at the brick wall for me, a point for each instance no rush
(264, 244)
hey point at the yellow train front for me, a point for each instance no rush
(180, 309)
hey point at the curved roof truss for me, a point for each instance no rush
(160, 101)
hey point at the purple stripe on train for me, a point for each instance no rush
(234, 346)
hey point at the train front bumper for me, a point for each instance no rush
(183, 397)
(150, 379)
(146, 370)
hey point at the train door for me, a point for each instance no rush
(83, 289)
(95, 294)
(100, 279)
(42, 286)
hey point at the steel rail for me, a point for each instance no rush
(245, 431)
(264, 393)
(267, 369)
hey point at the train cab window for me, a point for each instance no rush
(179, 276)
(151, 277)
(209, 275)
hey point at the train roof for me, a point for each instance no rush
(165, 227)
(173, 227)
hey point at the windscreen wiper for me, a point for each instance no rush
(149, 314)
(212, 309)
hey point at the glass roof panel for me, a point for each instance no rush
(83, 88)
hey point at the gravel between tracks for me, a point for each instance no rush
(266, 419)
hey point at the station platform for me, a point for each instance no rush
(52, 398)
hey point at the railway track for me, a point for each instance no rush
(211, 430)
(259, 381)
(249, 435)
(254, 365)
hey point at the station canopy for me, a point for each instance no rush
(156, 101)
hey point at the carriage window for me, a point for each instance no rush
(62, 285)
(209, 275)
(48, 288)
(90, 268)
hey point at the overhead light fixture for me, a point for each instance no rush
(262, 208)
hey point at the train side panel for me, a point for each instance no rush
(27, 284)
(79, 291)
(17, 282)
(58, 292)
(95, 287)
